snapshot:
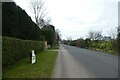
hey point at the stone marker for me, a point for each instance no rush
(33, 57)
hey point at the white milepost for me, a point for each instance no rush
(33, 57)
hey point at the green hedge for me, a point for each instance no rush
(110, 46)
(15, 49)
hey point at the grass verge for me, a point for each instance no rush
(41, 69)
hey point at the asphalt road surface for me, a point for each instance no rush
(73, 62)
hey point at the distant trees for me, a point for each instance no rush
(95, 41)
(88, 42)
(113, 33)
(95, 35)
(109, 46)
(81, 43)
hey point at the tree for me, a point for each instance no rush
(95, 35)
(113, 33)
(39, 11)
(88, 42)
(48, 32)
(69, 39)
(91, 35)
(80, 43)
(42, 38)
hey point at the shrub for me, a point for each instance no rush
(15, 49)
(110, 46)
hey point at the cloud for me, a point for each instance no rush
(76, 17)
(83, 15)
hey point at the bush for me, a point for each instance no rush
(15, 49)
(80, 43)
(110, 46)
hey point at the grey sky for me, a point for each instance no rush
(75, 18)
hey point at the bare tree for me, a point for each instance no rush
(98, 35)
(95, 35)
(39, 11)
(48, 20)
(113, 33)
(91, 35)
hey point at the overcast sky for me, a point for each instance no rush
(75, 18)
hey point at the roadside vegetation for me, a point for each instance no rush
(15, 49)
(95, 42)
(41, 69)
(18, 24)
(20, 36)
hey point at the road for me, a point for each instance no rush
(73, 62)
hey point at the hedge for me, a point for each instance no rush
(110, 46)
(15, 49)
(106, 46)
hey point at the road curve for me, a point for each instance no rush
(73, 62)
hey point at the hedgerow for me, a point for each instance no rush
(106, 46)
(15, 49)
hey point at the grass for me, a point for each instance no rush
(53, 48)
(41, 69)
